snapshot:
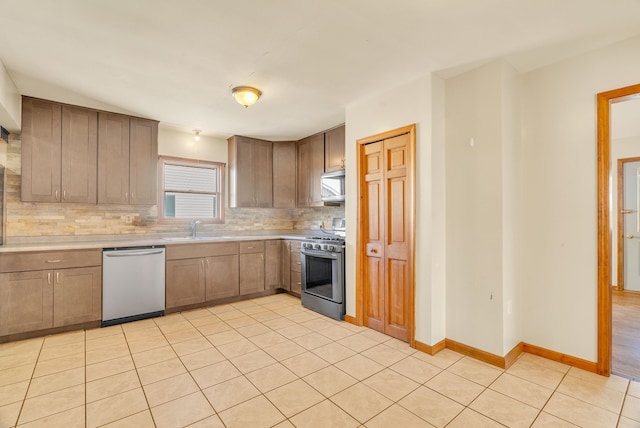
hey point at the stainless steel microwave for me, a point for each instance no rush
(333, 186)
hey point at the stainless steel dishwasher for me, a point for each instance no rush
(132, 284)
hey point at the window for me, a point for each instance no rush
(191, 189)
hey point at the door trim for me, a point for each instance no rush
(620, 234)
(360, 243)
(604, 101)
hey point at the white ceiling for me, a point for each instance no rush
(176, 61)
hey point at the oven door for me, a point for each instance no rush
(322, 275)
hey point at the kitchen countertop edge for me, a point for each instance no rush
(121, 242)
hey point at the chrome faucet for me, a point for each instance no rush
(193, 228)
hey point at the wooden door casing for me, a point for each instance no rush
(385, 287)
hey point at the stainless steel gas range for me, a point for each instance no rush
(322, 259)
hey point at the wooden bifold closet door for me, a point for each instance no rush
(386, 235)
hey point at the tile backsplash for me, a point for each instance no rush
(27, 219)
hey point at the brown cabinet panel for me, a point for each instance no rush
(185, 282)
(295, 261)
(286, 265)
(79, 154)
(17, 262)
(284, 174)
(250, 172)
(26, 302)
(251, 247)
(113, 158)
(296, 282)
(223, 277)
(143, 161)
(77, 296)
(190, 251)
(310, 168)
(273, 264)
(334, 145)
(41, 150)
(251, 273)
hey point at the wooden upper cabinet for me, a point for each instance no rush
(41, 150)
(75, 154)
(143, 161)
(334, 141)
(310, 168)
(250, 172)
(59, 152)
(284, 174)
(113, 158)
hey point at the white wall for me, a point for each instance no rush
(10, 102)
(405, 105)
(560, 219)
(173, 142)
(474, 212)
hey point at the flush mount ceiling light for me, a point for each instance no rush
(246, 95)
(196, 134)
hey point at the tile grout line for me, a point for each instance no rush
(26, 393)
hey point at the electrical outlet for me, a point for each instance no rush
(128, 219)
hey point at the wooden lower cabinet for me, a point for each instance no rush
(185, 282)
(37, 300)
(77, 295)
(273, 264)
(251, 273)
(213, 274)
(222, 277)
(292, 263)
(26, 302)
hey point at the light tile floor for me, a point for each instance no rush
(269, 362)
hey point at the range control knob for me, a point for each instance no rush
(331, 248)
(317, 246)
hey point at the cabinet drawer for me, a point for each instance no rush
(295, 261)
(295, 245)
(251, 247)
(189, 251)
(296, 282)
(21, 262)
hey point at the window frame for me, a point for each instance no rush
(220, 166)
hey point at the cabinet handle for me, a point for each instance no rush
(58, 278)
(49, 278)
(207, 262)
(64, 195)
(250, 248)
(298, 283)
(126, 196)
(261, 257)
(54, 261)
(297, 263)
(57, 193)
(132, 196)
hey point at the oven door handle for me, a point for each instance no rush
(321, 254)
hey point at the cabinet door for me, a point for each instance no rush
(296, 282)
(251, 273)
(77, 296)
(184, 282)
(334, 149)
(222, 277)
(143, 162)
(304, 163)
(241, 172)
(263, 178)
(273, 264)
(284, 174)
(41, 150)
(79, 154)
(113, 159)
(26, 301)
(286, 265)
(316, 168)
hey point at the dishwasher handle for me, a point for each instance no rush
(133, 253)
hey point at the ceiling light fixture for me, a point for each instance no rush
(196, 136)
(246, 95)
